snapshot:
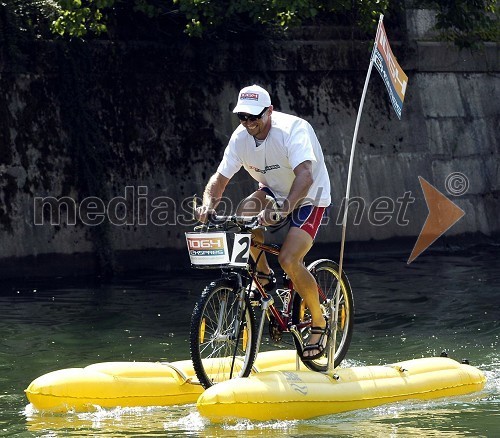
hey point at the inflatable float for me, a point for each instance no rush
(295, 395)
(129, 384)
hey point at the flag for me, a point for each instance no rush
(392, 74)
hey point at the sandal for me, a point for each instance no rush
(271, 280)
(268, 287)
(320, 345)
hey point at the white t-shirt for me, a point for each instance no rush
(290, 142)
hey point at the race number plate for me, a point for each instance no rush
(207, 248)
(241, 249)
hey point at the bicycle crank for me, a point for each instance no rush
(275, 331)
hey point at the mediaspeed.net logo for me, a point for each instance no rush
(140, 207)
(443, 213)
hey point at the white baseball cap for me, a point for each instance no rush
(252, 100)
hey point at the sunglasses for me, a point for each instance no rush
(250, 117)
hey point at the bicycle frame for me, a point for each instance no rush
(282, 317)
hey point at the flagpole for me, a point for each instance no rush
(334, 315)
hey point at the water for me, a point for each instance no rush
(443, 301)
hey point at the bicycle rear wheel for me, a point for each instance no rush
(326, 273)
(223, 338)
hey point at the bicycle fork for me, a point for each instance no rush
(265, 303)
(238, 323)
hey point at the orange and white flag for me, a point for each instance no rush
(392, 74)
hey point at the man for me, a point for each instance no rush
(282, 153)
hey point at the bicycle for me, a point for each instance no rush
(224, 338)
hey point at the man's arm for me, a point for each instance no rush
(212, 195)
(300, 187)
(299, 190)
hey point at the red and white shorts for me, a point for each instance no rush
(305, 217)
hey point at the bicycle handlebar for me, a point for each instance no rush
(233, 218)
(248, 221)
(220, 222)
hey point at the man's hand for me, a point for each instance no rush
(203, 213)
(269, 216)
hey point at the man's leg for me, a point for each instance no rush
(252, 206)
(296, 245)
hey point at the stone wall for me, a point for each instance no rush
(101, 125)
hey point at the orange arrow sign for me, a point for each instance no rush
(443, 214)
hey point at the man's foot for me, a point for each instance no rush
(267, 281)
(316, 344)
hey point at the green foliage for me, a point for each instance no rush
(463, 21)
(466, 22)
(78, 17)
(204, 15)
(199, 17)
(28, 18)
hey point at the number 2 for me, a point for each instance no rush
(241, 249)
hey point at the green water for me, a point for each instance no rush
(443, 301)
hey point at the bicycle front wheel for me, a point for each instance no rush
(223, 338)
(326, 274)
